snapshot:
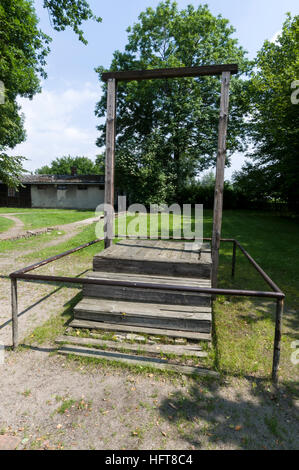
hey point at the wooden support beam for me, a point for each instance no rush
(109, 162)
(219, 184)
(176, 72)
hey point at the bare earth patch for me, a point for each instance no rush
(50, 402)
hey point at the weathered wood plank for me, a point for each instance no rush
(153, 279)
(148, 295)
(109, 162)
(145, 314)
(219, 184)
(174, 72)
(157, 349)
(146, 309)
(140, 361)
(153, 322)
(190, 335)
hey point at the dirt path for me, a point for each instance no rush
(14, 231)
(17, 231)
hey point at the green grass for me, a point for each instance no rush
(38, 218)
(32, 243)
(50, 218)
(5, 224)
(66, 405)
(84, 236)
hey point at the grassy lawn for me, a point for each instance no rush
(244, 327)
(38, 218)
(5, 224)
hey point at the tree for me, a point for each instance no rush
(274, 124)
(167, 129)
(257, 184)
(23, 51)
(64, 165)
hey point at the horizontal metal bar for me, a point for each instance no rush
(21, 274)
(175, 72)
(52, 258)
(147, 285)
(259, 269)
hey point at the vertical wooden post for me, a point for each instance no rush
(14, 312)
(218, 196)
(277, 339)
(109, 162)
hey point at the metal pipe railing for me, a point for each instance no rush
(276, 293)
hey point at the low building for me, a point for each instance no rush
(55, 191)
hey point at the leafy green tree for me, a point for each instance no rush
(64, 165)
(258, 184)
(274, 126)
(167, 129)
(23, 51)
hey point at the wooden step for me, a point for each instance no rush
(190, 335)
(152, 349)
(151, 295)
(181, 317)
(143, 361)
(156, 257)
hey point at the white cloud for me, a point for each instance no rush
(59, 123)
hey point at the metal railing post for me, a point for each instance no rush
(14, 312)
(277, 339)
(234, 259)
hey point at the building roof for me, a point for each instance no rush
(62, 179)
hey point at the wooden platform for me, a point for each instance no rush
(146, 310)
(156, 257)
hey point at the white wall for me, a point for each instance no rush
(70, 198)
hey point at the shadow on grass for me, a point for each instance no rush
(225, 418)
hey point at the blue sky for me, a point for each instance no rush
(61, 121)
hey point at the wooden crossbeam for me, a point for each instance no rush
(176, 72)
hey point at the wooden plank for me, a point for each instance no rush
(179, 269)
(146, 309)
(145, 314)
(153, 279)
(190, 335)
(157, 349)
(152, 250)
(175, 72)
(132, 360)
(200, 326)
(133, 294)
(109, 162)
(219, 184)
